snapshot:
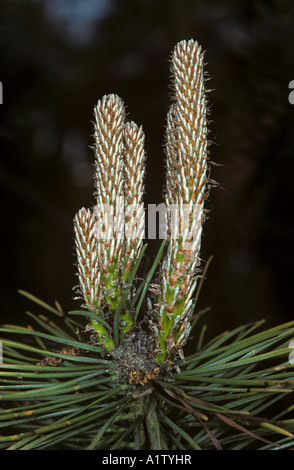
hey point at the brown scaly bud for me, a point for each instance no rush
(187, 175)
(88, 273)
(109, 163)
(134, 190)
(109, 129)
(86, 250)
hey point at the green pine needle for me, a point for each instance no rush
(224, 396)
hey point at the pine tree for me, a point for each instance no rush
(114, 374)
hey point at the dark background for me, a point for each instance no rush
(58, 57)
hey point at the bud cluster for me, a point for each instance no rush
(105, 256)
(109, 238)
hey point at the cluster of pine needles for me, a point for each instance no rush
(57, 391)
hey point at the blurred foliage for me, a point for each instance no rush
(59, 57)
